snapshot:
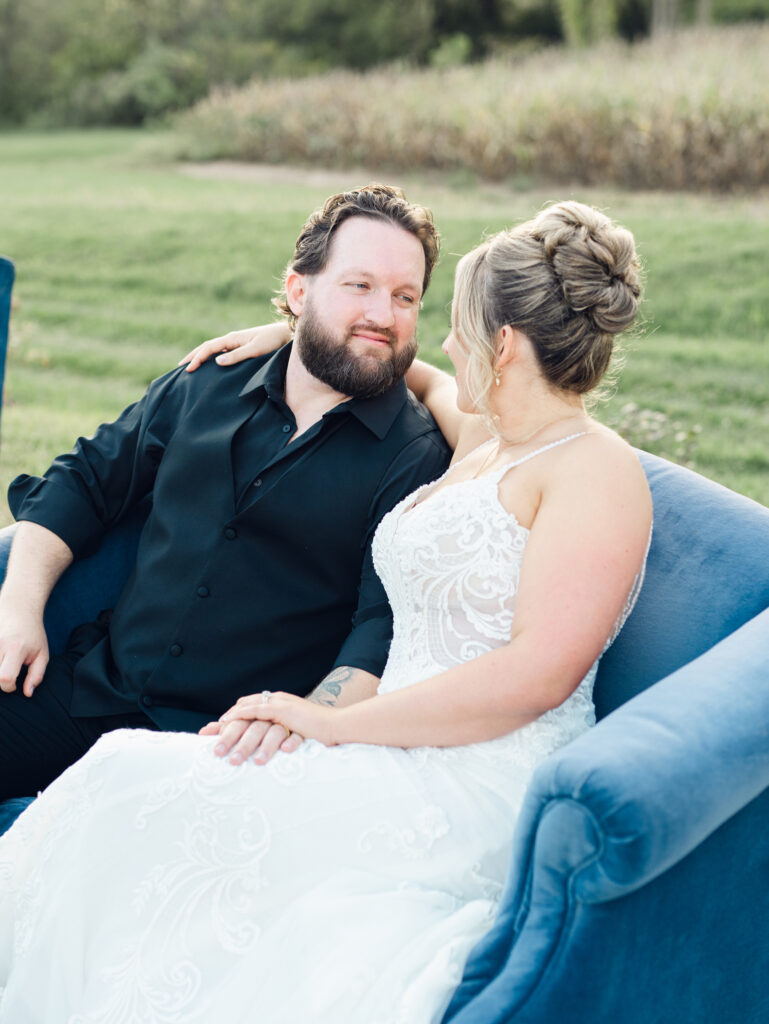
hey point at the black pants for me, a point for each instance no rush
(38, 736)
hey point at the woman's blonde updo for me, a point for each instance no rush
(569, 280)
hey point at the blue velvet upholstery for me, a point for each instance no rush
(639, 874)
(6, 284)
(641, 862)
(11, 809)
(708, 573)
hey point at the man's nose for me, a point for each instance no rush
(379, 308)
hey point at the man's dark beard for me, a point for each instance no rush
(332, 362)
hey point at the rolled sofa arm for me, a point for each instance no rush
(621, 805)
(670, 766)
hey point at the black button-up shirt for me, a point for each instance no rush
(254, 569)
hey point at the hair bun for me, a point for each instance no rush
(595, 262)
(568, 280)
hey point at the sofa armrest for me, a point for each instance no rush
(622, 804)
(671, 765)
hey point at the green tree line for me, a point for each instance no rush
(124, 61)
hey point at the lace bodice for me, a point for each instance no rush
(450, 560)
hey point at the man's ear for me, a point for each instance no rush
(296, 292)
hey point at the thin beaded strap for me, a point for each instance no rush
(499, 473)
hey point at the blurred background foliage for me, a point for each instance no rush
(124, 62)
(681, 111)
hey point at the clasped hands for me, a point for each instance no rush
(257, 727)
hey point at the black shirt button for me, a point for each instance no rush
(203, 591)
(230, 533)
(176, 650)
(286, 428)
(147, 701)
(258, 482)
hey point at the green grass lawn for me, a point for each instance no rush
(124, 262)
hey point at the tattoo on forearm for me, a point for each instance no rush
(329, 688)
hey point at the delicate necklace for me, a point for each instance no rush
(501, 443)
(538, 430)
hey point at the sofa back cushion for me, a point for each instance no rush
(707, 574)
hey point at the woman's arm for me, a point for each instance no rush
(438, 391)
(585, 547)
(239, 345)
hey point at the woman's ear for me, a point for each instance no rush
(296, 292)
(508, 340)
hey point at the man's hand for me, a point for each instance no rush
(38, 558)
(243, 738)
(22, 642)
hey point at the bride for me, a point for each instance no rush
(348, 879)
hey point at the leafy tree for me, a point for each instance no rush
(588, 21)
(126, 60)
(346, 33)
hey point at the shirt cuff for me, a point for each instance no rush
(368, 645)
(63, 511)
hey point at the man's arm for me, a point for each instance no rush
(368, 642)
(344, 685)
(37, 559)
(64, 514)
(103, 477)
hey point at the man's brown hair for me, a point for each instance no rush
(380, 202)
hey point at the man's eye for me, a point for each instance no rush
(358, 284)
(408, 299)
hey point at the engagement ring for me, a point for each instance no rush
(266, 696)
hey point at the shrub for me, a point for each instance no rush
(687, 111)
(159, 80)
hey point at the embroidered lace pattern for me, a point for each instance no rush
(450, 560)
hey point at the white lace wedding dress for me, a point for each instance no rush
(154, 882)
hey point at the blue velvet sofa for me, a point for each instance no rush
(639, 884)
(6, 284)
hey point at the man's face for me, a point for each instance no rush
(356, 326)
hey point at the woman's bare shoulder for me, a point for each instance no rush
(601, 469)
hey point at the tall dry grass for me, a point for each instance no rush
(689, 111)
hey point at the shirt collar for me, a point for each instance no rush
(377, 414)
(271, 375)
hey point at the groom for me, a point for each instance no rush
(254, 569)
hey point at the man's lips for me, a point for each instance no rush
(372, 337)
